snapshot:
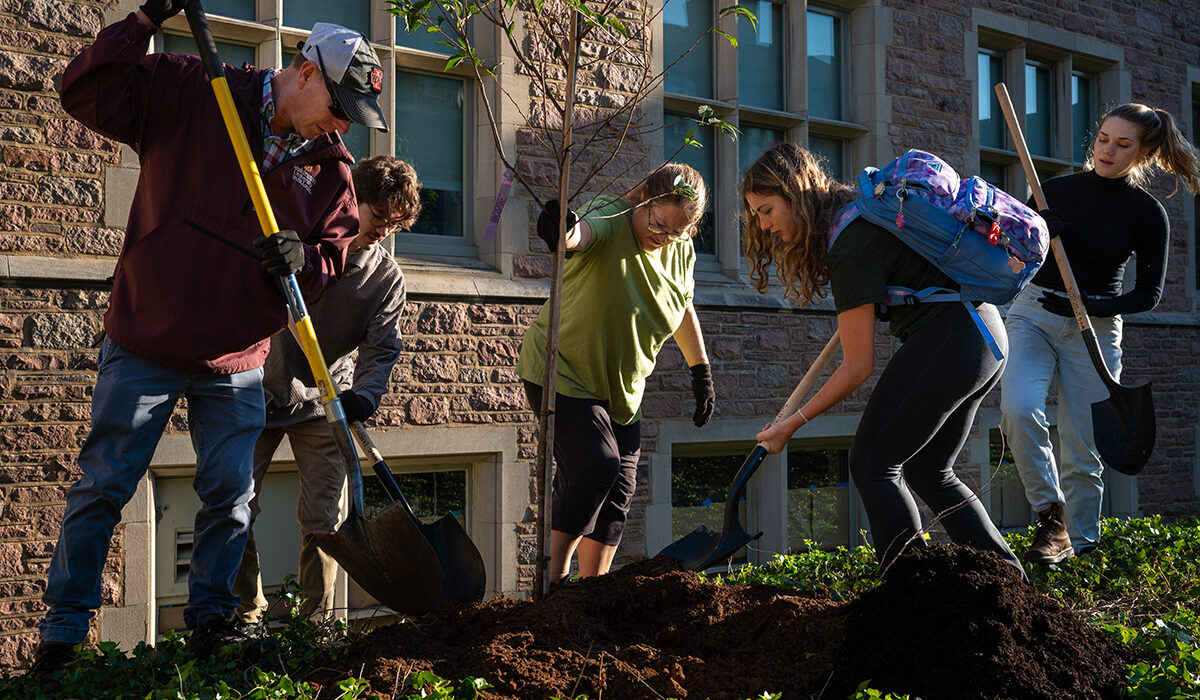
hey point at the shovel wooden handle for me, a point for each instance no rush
(806, 383)
(1060, 255)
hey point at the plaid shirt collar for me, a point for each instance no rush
(276, 148)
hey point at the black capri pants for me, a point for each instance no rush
(595, 472)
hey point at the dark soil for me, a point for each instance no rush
(949, 622)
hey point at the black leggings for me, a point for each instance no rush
(915, 424)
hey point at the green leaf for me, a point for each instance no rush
(741, 11)
(730, 37)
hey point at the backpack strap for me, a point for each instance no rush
(903, 296)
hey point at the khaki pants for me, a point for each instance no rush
(322, 484)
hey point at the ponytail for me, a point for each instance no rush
(1168, 149)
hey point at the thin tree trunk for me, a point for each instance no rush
(545, 471)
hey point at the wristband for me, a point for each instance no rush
(802, 416)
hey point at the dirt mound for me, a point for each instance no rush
(954, 622)
(652, 630)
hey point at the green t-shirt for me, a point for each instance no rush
(619, 306)
(865, 259)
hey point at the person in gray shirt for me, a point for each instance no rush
(360, 312)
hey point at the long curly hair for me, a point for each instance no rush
(813, 199)
(1169, 150)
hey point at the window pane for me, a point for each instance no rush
(1009, 508)
(818, 484)
(431, 494)
(233, 54)
(760, 56)
(1038, 109)
(1081, 116)
(992, 173)
(352, 14)
(698, 490)
(683, 22)
(677, 127)
(991, 119)
(753, 142)
(238, 9)
(824, 66)
(831, 151)
(429, 135)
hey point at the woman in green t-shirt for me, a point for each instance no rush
(627, 288)
(923, 406)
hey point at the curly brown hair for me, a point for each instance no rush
(813, 199)
(389, 184)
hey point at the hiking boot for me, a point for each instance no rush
(214, 634)
(1051, 543)
(49, 661)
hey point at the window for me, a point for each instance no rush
(701, 158)
(303, 14)
(1039, 110)
(685, 21)
(1054, 97)
(825, 94)
(818, 503)
(699, 489)
(1083, 113)
(429, 135)
(758, 87)
(992, 130)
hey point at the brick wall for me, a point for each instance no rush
(456, 368)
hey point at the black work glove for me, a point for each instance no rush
(283, 253)
(1100, 308)
(706, 397)
(1054, 223)
(357, 408)
(547, 223)
(158, 11)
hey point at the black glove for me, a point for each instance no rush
(1054, 223)
(357, 408)
(158, 11)
(547, 223)
(706, 397)
(283, 253)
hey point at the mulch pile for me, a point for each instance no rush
(949, 622)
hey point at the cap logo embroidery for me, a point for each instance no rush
(377, 79)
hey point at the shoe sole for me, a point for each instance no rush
(1062, 556)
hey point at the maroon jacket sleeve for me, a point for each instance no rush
(108, 85)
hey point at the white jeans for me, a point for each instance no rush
(1041, 346)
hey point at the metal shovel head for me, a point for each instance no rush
(464, 578)
(701, 548)
(389, 557)
(1124, 427)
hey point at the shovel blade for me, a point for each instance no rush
(1124, 427)
(729, 545)
(389, 557)
(694, 548)
(464, 578)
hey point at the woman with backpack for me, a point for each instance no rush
(1103, 217)
(922, 408)
(627, 288)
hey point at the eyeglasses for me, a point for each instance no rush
(381, 222)
(680, 236)
(335, 108)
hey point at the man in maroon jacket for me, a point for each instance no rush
(195, 294)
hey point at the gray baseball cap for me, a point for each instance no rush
(352, 71)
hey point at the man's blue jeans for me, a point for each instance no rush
(1042, 345)
(131, 405)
